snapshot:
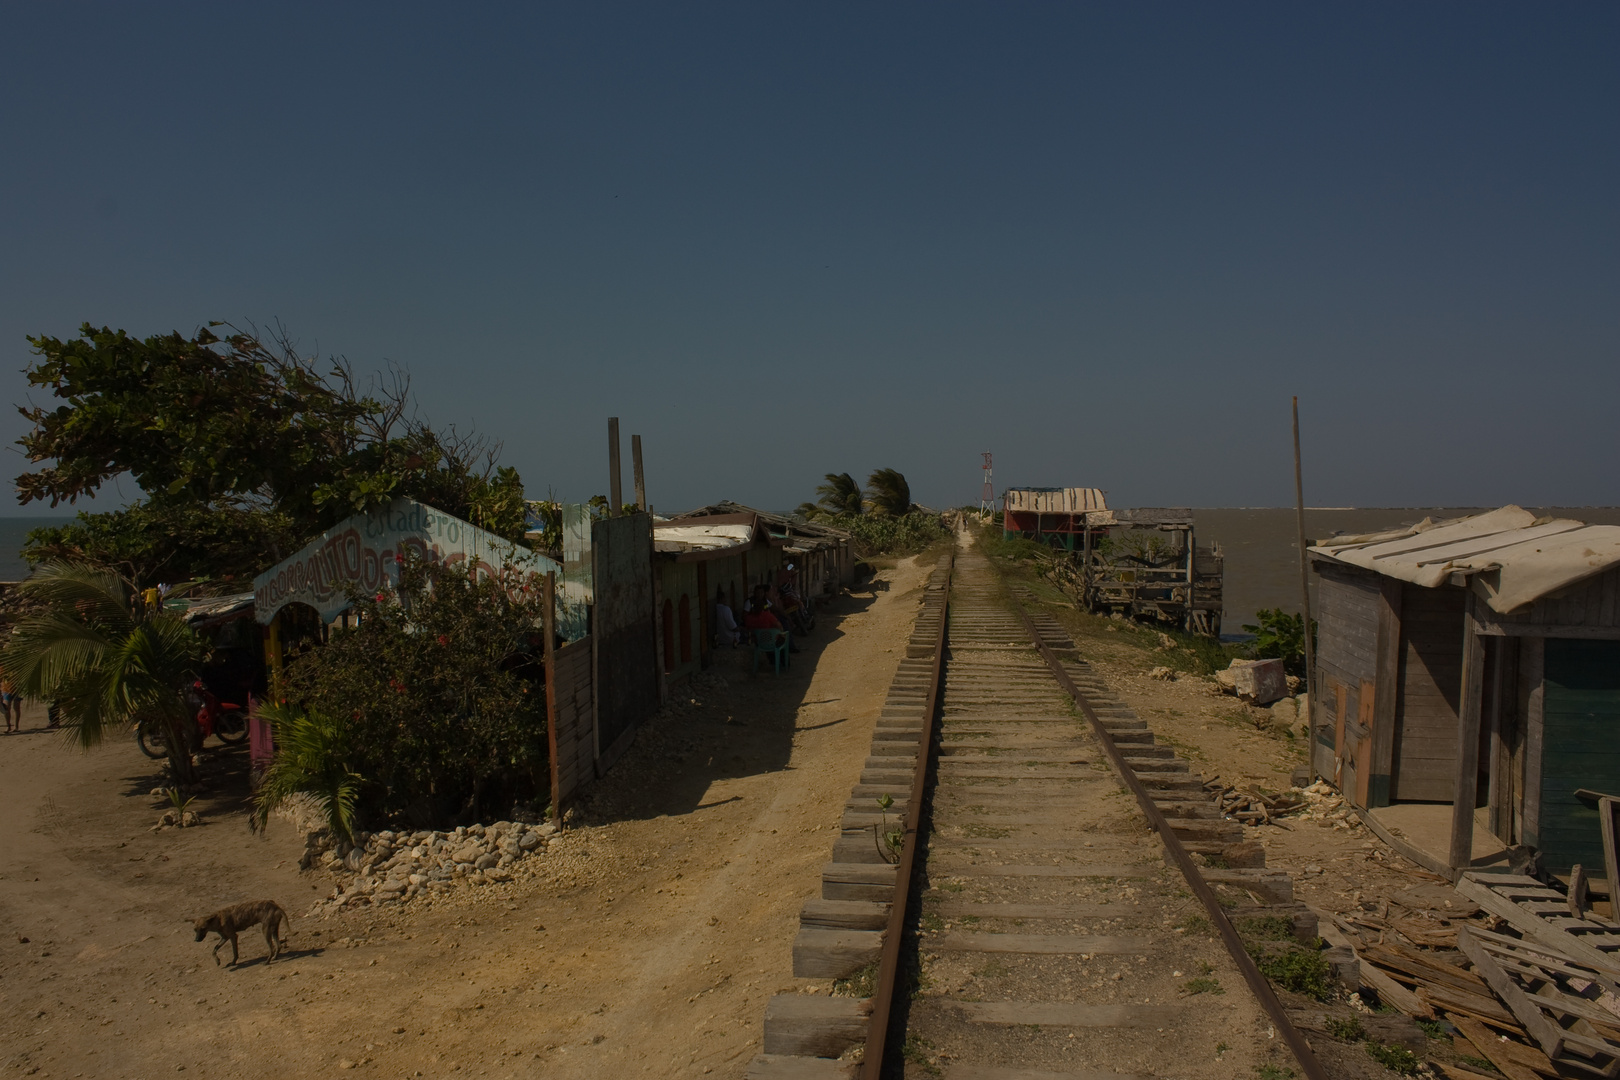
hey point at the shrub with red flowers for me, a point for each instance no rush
(443, 682)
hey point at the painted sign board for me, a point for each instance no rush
(364, 552)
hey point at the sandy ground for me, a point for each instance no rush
(645, 943)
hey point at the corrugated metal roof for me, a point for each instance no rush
(1054, 500)
(1513, 556)
(688, 537)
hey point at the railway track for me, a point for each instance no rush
(1038, 927)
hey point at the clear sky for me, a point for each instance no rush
(1106, 242)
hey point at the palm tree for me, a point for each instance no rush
(105, 659)
(840, 495)
(889, 493)
(809, 511)
(313, 757)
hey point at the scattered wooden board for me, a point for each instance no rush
(1541, 914)
(1548, 995)
(1515, 1060)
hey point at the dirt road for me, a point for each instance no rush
(646, 942)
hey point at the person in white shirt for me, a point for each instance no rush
(725, 623)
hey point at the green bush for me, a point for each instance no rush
(1397, 1059)
(440, 692)
(905, 534)
(1301, 970)
(1281, 636)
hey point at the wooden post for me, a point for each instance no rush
(640, 477)
(615, 487)
(1532, 676)
(1305, 594)
(1386, 683)
(705, 606)
(549, 628)
(1465, 791)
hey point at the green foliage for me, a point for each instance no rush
(888, 493)
(1013, 548)
(1203, 985)
(439, 685)
(180, 802)
(155, 543)
(545, 517)
(1301, 970)
(1267, 928)
(1348, 1028)
(1434, 1029)
(1279, 635)
(313, 758)
(1198, 924)
(839, 495)
(1273, 1072)
(1479, 1063)
(861, 984)
(106, 660)
(1397, 1059)
(239, 427)
(902, 535)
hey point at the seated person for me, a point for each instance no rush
(761, 616)
(726, 630)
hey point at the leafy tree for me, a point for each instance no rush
(238, 426)
(438, 690)
(840, 495)
(888, 492)
(105, 659)
(156, 543)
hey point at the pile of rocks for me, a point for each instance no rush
(396, 867)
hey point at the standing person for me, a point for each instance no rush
(10, 703)
(726, 629)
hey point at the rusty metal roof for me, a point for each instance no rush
(1511, 556)
(1054, 500)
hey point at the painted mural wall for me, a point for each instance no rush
(364, 552)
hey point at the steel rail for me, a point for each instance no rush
(888, 974)
(1172, 844)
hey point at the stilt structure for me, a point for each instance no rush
(987, 494)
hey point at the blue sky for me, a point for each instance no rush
(1105, 242)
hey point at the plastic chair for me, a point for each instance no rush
(773, 643)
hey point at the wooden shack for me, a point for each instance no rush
(1056, 517)
(1475, 663)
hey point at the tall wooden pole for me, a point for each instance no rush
(1305, 598)
(549, 628)
(615, 487)
(640, 477)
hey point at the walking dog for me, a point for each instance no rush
(228, 922)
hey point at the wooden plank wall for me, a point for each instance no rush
(1346, 660)
(576, 735)
(1430, 688)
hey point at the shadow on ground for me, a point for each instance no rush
(728, 722)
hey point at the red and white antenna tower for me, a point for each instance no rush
(987, 495)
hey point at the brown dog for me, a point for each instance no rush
(228, 922)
